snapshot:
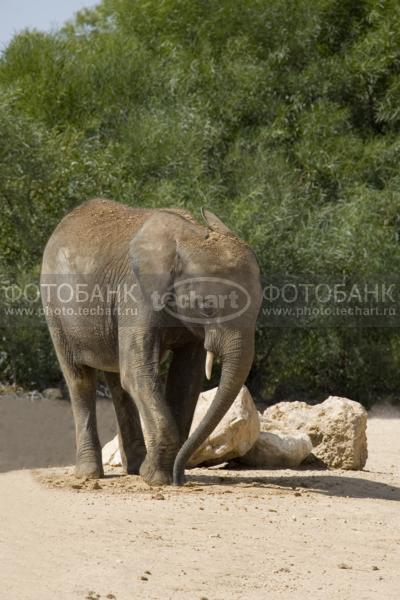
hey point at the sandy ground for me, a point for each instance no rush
(225, 535)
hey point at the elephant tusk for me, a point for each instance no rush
(209, 364)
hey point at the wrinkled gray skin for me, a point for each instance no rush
(103, 244)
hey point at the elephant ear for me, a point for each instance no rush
(214, 223)
(154, 256)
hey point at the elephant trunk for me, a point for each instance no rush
(236, 351)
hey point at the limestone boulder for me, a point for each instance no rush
(278, 449)
(336, 427)
(233, 437)
(235, 434)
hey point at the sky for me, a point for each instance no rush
(40, 14)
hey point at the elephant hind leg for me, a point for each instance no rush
(131, 442)
(81, 382)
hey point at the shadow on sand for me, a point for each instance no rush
(323, 482)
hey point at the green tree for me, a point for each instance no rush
(282, 117)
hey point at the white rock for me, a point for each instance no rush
(278, 449)
(236, 433)
(52, 394)
(336, 427)
(111, 454)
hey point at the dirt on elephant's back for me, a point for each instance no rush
(102, 218)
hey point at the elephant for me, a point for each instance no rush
(124, 289)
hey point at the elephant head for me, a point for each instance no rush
(207, 280)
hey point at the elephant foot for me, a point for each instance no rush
(131, 464)
(89, 470)
(132, 467)
(154, 474)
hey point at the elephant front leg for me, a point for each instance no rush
(160, 430)
(184, 383)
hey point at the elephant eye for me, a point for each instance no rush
(208, 310)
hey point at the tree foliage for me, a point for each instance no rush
(281, 117)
